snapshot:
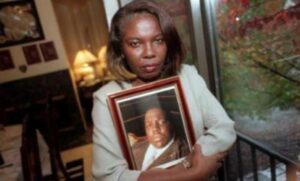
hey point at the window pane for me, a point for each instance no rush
(259, 57)
(178, 9)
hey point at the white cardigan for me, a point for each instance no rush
(205, 112)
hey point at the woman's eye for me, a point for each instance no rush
(159, 40)
(134, 44)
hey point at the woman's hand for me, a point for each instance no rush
(204, 167)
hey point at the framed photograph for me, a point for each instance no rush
(19, 23)
(153, 124)
(32, 54)
(48, 51)
(6, 61)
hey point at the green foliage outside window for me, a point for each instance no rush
(259, 50)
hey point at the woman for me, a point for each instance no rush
(144, 46)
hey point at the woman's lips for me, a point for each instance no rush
(150, 68)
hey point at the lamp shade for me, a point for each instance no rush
(84, 57)
(102, 54)
(84, 70)
(102, 57)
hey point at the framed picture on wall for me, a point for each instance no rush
(32, 54)
(48, 51)
(19, 22)
(152, 117)
(6, 61)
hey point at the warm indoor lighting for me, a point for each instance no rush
(102, 56)
(84, 67)
(106, 75)
(101, 69)
(84, 70)
(84, 57)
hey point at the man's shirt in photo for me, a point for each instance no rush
(153, 153)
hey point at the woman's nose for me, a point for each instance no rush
(149, 51)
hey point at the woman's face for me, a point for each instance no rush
(144, 46)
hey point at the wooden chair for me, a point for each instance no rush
(39, 117)
(30, 153)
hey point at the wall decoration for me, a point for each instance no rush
(133, 111)
(19, 23)
(6, 61)
(23, 68)
(32, 54)
(48, 51)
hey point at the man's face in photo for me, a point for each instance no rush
(157, 128)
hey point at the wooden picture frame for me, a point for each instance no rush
(130, 110)
(19, 23)
(32, 54)
(6, 61)
(48, 50)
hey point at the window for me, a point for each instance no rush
(259, 62)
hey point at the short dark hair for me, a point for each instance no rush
(167, 115)
(116, 60)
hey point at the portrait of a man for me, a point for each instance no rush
(153, 124)
(161, 144)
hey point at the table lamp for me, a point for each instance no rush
(84, 66)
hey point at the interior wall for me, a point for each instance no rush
(82, 24)
(51, 33)
(111, 7)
